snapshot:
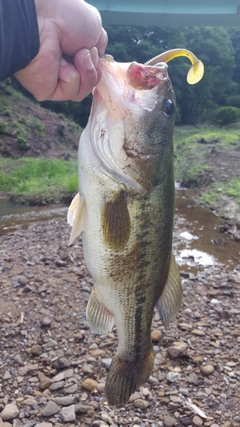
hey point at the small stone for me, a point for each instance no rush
(7, 375)
(43, 425)
(67, 414)
(36, 350)
(89, 384)
(156, 334)
(71, 389)
(207, 369)
(64, 400)
(193, 378)
(82, 409)
(140, 403)
(78, 336)
(106, 363)
(27, 369)
(46, 321)
(173, 377)
(97, 353)
(9, 412)
(44, 381)
(57, 386)
(50, 409)
(178, 349)
(169, 421)
(197, 421)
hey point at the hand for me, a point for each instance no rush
(67, 28)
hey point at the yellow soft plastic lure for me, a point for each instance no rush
(196, 71)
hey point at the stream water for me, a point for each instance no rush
(197, 230)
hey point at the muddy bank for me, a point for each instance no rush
(53, 368)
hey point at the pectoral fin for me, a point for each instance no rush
(100, 319)
(75, 217)
(116, 222)
(170, 300)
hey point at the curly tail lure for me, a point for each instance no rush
(196, 71)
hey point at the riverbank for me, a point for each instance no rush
(53, 368)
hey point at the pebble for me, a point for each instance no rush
(10, 412)
(197, 421)
(27, 369)
(42, 425)
(89, 384)
(207, 369)
(44, 381)
(169, 421)
(177, 350)
(156, 334)
(50, 409)
(36, 350)
(141, 404)
(173, 377)
(67, 414)
(64, 400)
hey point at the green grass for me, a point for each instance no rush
(46, 178)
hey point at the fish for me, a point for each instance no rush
(125, 210)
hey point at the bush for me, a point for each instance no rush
(226, 115)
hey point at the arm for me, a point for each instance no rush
(66, 28)
(19, 38)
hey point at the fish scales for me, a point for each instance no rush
(125, 209)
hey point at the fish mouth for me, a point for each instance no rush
(145, 77)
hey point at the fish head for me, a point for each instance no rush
(134, 111)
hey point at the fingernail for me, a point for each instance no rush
(88, 62)
(94, 56)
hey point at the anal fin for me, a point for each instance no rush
(100, 319)
(75, 217)
(170, 300)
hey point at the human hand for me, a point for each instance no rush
(67, 28)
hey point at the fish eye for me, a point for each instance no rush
(168, 107)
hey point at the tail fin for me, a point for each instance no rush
(126, 376)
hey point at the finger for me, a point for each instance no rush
(68, 85)
(87, 66)
(102, 42)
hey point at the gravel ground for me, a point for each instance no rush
(53, 368)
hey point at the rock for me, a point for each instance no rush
(173, 377)
(106, 363)
(169, 421)
(27, 369)
(89, 384)
(193, 378)
(97, 353)
(10, 412)
(50, 409)
(156, 334)
(44, 381)
(7, 375)
(57, 386)
(71, 389)
(197, 421)
(36, 350)
(46, 321)
(67, 414)
(140, 403)
(64, 400)
(207, 369)
(42, 425)
(82, 409)
(178, 349)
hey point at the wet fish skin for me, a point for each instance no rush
(125, 210)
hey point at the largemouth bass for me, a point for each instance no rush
(125, 209)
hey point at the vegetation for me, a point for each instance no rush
(42, 180)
